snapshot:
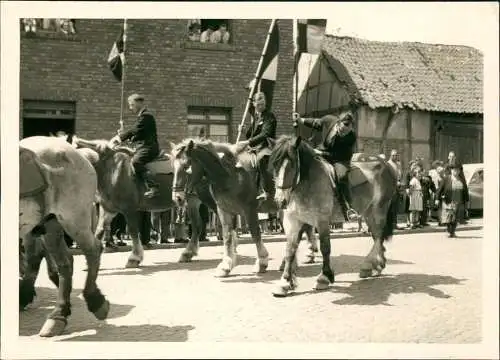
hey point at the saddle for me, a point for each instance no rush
(160, 165)
(32, 180)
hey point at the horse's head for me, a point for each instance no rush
(289, 162)
(183, 162)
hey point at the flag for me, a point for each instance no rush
(266, 78)
(310, 35)
(116, 57)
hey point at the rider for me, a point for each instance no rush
(262, 128)
(337, 147)
(144, 136)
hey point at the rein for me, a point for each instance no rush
(297, 175)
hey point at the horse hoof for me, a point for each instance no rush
(221, 273)
(260, 269)
(132, 264)
(321, 286)
(364, 273)
(377, 272)
(309, 260)
(53, 327)
(185, 258)
(102, 312)
(280, 291)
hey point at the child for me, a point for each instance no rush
(416, 197)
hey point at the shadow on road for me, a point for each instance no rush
(376, 291)
(342, 264)
(195, 265)
(148, 333)
(32, 319)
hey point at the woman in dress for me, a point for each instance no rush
(454, 194)
(416, 197)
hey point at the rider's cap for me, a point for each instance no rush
(136, 97)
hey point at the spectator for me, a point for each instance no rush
(437, 174)
(194, 31)
(398, 197)
(207, 34)
(454, 194)
(427, 187)
(221, 35)
(416, 198)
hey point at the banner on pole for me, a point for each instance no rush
(310, 34)
(266, 78)
(116, 57)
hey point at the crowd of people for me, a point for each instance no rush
(211, 34)
(439, 193)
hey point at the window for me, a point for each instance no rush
(209, 31)
(48, 117)
(212, 123)
(65, 26)
(477, 178)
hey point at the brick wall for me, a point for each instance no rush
(171, 72)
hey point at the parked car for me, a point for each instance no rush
(474, 177)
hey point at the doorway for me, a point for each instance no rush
(46, 118)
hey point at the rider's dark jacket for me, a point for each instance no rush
(143, 134)
(262, 129)
(339, 148)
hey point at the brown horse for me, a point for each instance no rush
(305, 184)
(57, 188)
(233, 186)
(119, 192)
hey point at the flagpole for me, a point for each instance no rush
(247, 107)
(295, 70)
(123, 72)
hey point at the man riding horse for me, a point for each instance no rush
(258, 135)
(337, 147)
(144, 137)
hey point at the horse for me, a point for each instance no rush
(305, 185)
(233, 186)
(57, 187)
(119, 192)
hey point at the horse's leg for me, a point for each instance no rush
(377, 221)
(228, 261)
(193, 244)
(137, 254)
(313, 245)
(288, 280)
(57, 249)
(326, 277)
(103, 229)
(32, 259)
(262, 261)
(164, 226)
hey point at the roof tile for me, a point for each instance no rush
(428, 77)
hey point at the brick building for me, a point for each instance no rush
(66, 83)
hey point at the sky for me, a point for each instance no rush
(458, 23)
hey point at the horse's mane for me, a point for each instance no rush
(284, 148)
(102, 143)
(208, 147)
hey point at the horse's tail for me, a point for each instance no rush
(391, 220)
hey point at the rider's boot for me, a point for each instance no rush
(346, 200)
(264, 181)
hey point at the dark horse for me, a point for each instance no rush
(57, 187)
(119, 192)
(305, 183)
(233, 186)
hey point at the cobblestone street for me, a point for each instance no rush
(430, 292)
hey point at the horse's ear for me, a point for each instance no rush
(298, 140)
(190, 146)
(271, 141)
(170, 146)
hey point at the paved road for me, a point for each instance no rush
(430, 292)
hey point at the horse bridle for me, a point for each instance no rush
(297, 175)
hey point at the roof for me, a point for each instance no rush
(429, 77)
